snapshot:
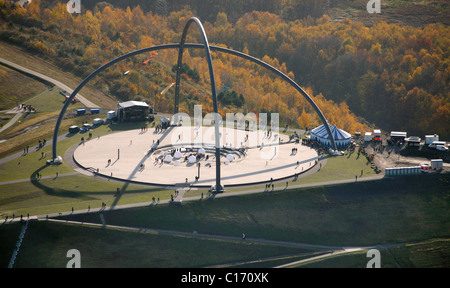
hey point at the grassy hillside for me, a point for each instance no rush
(15, 88)
(47, 66)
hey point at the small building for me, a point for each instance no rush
(368, 137)
(133, 111)
(341, 137)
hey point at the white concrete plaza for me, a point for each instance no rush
(128, 156)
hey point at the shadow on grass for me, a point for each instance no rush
(81, 195)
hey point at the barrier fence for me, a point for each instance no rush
(404, 170)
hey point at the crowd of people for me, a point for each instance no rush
(27, 108)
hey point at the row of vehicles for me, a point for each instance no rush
(439, 145)
(86, 126)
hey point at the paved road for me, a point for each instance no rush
(19, 114)
(63, 86)
(20, 154)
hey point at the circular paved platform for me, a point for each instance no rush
(140, 156)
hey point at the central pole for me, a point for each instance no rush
(218, 188)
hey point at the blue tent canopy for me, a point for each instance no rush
(341, 137)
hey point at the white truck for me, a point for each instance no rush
(434, 144)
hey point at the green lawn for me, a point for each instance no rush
(15, 88)
(434, 253)
(46, 244)
(46, 196)
(427, 254)
(357, 259)
(51, 100)
(27, 165)
(392, 211)
(395, 211)
(53, 195)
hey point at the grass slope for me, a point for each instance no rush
(16, 88)
(370, 213)
(46, 244)
(406, 210)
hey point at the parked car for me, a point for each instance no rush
(434, 144)
(98, 122)
(441, 148)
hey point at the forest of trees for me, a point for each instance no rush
(207, 10)
(394, 76)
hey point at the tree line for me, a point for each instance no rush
(392, 75)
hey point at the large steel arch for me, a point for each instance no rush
(208, 49)
(213, 88)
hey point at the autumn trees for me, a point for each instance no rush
(393, 75)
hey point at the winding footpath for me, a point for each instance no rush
(45, 78)
(57, 83)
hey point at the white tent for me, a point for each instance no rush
(341, 137)
(177, 154)
(176, 162)
(230, 157)
(168, 158)
(201, 151)
(192, 159)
